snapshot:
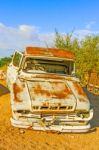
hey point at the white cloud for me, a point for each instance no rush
(81, 33)
(27, 28)
(47, 38)
(90, 24)
(22, 36)
(86, 31)
(12, 38)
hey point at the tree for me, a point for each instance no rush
(86, 51)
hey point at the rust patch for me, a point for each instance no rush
(45, 103)
(79, 89)
(57, 90)
(17, 89)
(54, 52)
(38, 90)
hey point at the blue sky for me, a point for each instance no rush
(33, 22)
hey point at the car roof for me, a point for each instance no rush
(49, 52)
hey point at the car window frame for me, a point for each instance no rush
(20, 59)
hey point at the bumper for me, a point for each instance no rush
(70, 123)
(53, 128)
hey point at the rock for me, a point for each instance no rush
(21, 131)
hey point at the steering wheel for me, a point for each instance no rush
(37, 67)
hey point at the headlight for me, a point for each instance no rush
(83, 114)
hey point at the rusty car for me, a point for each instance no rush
(45, 93)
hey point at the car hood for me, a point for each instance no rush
(51, 90)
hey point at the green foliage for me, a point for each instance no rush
(5, 61)
(63, 42)
(86, 51)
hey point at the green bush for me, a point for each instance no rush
(5, 61)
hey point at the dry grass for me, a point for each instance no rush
(4, 68)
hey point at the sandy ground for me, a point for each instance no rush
(17, 139)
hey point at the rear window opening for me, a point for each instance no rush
(50, 66)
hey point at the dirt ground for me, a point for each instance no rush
(17, 139)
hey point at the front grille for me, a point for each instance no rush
(52, 107)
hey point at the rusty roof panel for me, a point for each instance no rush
(51, 52)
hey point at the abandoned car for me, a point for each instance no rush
(45, 94)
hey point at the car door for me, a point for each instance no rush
(13, 68)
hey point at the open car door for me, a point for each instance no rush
(13, 68)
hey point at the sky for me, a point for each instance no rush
(33, 22)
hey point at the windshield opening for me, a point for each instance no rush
(50, 66)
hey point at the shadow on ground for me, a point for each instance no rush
(94, 100)
(3, 90)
